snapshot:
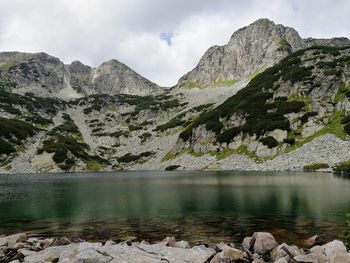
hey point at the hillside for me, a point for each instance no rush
(287, 115)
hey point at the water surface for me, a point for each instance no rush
(210, 206)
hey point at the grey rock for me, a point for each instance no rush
(263, 242)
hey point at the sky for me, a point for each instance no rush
(160, 39)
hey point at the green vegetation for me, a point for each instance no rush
(30, 102)
(10, 128)
(129, 158)
(284, 45)
(145, 136)
(94, 165)
(269, 141)
(262, 113)
(342, 168)
(172, 167)
(315, 166)
(216, 84)
(6, 148)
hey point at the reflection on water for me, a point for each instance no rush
(189, 205)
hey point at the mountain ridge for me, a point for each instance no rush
(292, 114)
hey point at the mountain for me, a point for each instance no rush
(44, 75)
(250, 50)
(274, 107)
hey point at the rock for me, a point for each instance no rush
(109, 243)
(263, 242)
(169, 241)
(247, 243)
(221, 246)
(284, 251)
(216, 259)
(333, 248)
(61, 242)
(13, 239)
(89, 256)
(182, 244)
(281, 260)
(53, 253)
(258, 260)
(312, 241)
(155, 253)
(340, 259)
(310, 258)
(231, 254)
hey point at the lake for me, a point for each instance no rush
(195, 206)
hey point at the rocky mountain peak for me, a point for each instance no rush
(114, 75)
(251, 49)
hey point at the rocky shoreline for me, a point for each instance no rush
(261, 247)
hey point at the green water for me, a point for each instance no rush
(210, 206)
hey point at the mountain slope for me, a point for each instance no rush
(303, 96)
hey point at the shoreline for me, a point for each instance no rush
(261, 247)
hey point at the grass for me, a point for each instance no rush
(315, 166)
(216, 84)
(94, 165)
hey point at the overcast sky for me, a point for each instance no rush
(160, 39)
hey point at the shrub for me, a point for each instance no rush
(306, 116)
(289, 141)
(6, 148)
(128, 158)
(315, 166)
(20, 129)
(269, 141)
(172, 167)
(342, 168)
(347, 128)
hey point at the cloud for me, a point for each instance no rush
(160, 39)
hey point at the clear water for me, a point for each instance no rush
(195, 206)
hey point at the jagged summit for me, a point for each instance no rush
(45, 75)
(250, 50)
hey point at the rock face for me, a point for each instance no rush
(250, 50)
(45, 76)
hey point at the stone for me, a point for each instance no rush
(169, 241)
(281, 260)
(340, 258)
(182, 244)
(310, 258)
(12, 239)
(216, 259)
(333, 248)
(312, 241)
(156, 252)
(263, 242)
(231, 254)
(247, 243)
(221, 246)
(90, 255)
(280, 252)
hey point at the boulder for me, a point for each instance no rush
(333, 248)
(169, 241)
(340, 259)
(182, 244)
(263, 242)
(12, 239)
(231, 254)
(285, 251)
